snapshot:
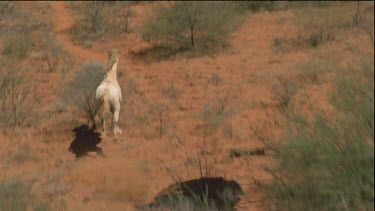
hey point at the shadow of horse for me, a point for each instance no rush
(86, 140)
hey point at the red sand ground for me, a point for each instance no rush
(139, 163)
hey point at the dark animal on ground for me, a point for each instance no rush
(208, 192)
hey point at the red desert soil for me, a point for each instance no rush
(63, 21)
(139, 162)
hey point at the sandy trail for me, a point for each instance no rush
(63, 21)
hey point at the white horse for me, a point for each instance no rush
(108, 94)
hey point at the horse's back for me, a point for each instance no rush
(112, 91)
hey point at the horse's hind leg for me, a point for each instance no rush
(115, 118)
(102, 120)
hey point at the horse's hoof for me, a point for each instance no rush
(117, 131)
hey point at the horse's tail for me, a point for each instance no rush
(103, 109)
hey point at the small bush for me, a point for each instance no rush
(17, 101)
(284, 91)
(215, 79)
(191, 24)
(171, 91)
(214, 114)
(319, 22)
(160, 113)
(14, 195)
(255, 6)
(125, 17)
(80, 92)
(53, 55)
(16, 21)
(17, 47)
(6, 7)
(311, 70)
(101, 18)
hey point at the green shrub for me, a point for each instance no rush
(14, 195)
(191, 24)
(329, 164)
(17, 47)
(80, 92)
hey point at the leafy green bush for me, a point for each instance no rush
(329, 164)
(191, 24)
(80, 92)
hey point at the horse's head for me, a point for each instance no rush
(113, 54)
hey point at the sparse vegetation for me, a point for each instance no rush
(6, 7)
(215, 79)
(95, 20)
(100, 18)
(228, 130)
(54, 55)
(126, 25)
(41, 206)
(17, 47)
(259, 95)
(311, 70)
(171, 91)
(160, 111)
(214, 114)
(17, 100)
(284, 91)
(191, 25)
(255, 6)
(15, 196)
(22, 155)
(320, 25)
(329, 164)
(80, 92)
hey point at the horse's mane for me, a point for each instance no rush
(112, 61)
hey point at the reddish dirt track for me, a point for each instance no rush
(63, 21)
